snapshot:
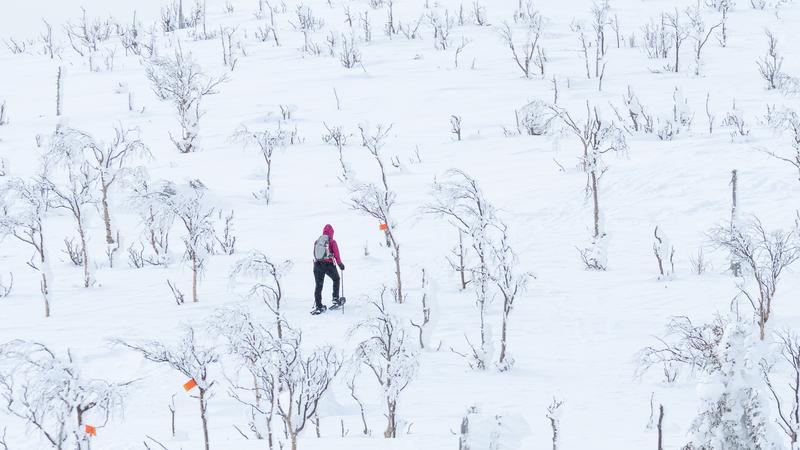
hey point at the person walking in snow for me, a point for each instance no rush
(326, 252)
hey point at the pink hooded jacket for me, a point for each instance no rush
(328, 231)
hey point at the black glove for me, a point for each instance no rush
(341, 266)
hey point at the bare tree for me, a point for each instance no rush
(459, 261)
(86, 35)
(459, 199)
(656, 40)
(189, 205)
(5, 289)
(724, 7)
(597, 137)
(337, 137)
(422, 325)
(180, 80)
(524, 57)
(554, 417)
(304, 379)
(191, 357)
(580, 29)
(23, 205)
(59, 90)
(108, 160)
(377, 203)
(770, 65)
(679, 34)
(51, 394)
(267, 275)
(765, 255)
(699, 34)
(442, 27)
(268, 141)
(783, 121)
(389, 355)
(665, 253)
(600, 20)
(76, 196)
(252, 345)
(788, 411)
(510, 283)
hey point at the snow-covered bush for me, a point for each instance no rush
(679, 121)
(735, 121)
(636, 118)
(656, 42)
(734, 412)
(482, 430)
(157, 219)
(535, 118)
(686, 345)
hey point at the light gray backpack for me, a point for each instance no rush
(322, 248)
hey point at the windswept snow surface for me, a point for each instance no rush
(573, 335)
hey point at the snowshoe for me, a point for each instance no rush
(317, 311)
(338, 303)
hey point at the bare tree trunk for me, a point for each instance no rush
(294, 441)
(194, 277)
(504, 331)
(397, 272)
(59, 90)
(734, 181)
(85, 254)
(106, 214)
(461, 259)
(391, 426)
(204, 418)
(660, 421)
(596, 201)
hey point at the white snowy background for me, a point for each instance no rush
(574, 334)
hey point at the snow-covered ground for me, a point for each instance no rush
(573, 335)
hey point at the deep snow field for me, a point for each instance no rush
(573, 335)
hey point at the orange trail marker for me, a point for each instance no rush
(383, 227)
(90, 430)
(189, 385)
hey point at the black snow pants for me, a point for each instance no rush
(320, 270)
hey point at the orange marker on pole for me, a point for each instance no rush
(383, 227)
(90, 430)
(189, 385)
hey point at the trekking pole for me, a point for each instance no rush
(343, 290)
